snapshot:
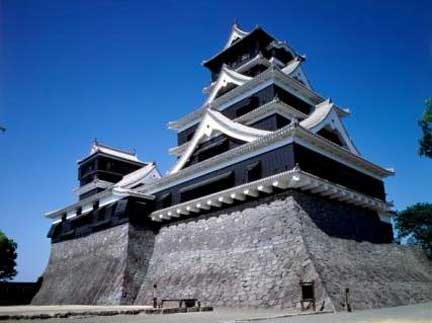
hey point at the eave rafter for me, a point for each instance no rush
(293, 133)
(292, 179)
(276, 106)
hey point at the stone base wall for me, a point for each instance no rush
(105, 267)
(250, 255)
(257, 253)
(377, 275)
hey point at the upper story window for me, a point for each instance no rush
(281, 121)
(166, 200)
(213, 149)
(251, 105)
(225, 89)
(109, 165)
(254, 172)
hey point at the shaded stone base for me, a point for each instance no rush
(255, 255)
(106, 267)
(251, 255)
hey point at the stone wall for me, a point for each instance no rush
(378, 275)
(106, 267)
(253, 254)
(256, 254)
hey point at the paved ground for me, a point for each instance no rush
(51, 309)
(420, 313)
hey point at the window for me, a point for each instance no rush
(209, 186)
(166, 200)
(95, 205)
(252, 105)
(225, 89)
(254, 172)
(281, 121)
(79, 211)
(213, 150)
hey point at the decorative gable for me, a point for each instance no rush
(236, 35)
(226, 78)
(212, 124)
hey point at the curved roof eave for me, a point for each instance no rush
(236, 33)
(216, 121)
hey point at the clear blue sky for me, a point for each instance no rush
(71, 71)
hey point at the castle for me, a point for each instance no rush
(268, 194)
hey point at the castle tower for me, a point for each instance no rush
(263, 129)
(268, 192)
(104, 167)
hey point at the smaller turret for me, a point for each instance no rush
(104, 167)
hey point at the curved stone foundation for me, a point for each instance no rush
(256, 254)
(249, 257)
(106, 267)
(253, 254)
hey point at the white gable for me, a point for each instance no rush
(215, 122)
(236, 33)
(226, 76)
(293, 69)
(144, 175)
(326, 116)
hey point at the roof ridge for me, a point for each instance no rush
(96, 144)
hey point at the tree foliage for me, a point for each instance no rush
(414, 225)
(8, 257)
(426, 125)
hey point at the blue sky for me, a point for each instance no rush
(71, 71)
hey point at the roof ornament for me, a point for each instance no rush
(236, 34)
(94, 146)
(295, 122)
